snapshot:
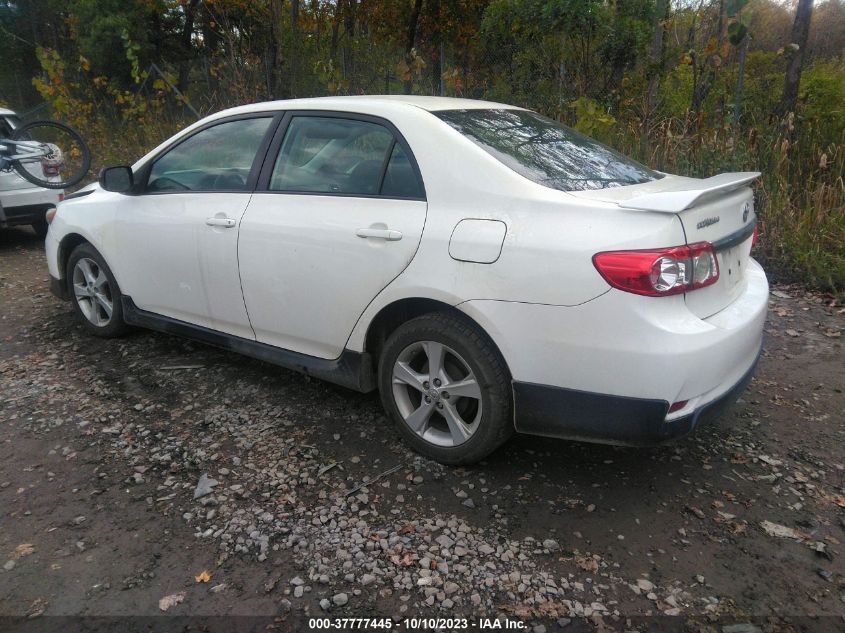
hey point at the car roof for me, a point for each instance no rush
(376, 105)
(377, 102)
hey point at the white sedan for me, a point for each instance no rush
(486, 268)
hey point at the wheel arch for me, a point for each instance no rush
(73, 238)
(66, 246)
(394, 314)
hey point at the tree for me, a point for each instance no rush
(26, 25)
(771, 23)
(410, 42)
(827, 37)
(738, 36)
(104, 29)
(795, 50)
(276, 48)
(705, 66)
(295, 52)
(656, 54)
(186, 42)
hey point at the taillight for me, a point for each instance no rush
(660, 272)
(754, 237)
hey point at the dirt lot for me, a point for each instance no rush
(103, 444)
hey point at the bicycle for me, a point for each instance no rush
(47, 154)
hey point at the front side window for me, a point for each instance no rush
(341, 156)
(218, 158)
(545, 151)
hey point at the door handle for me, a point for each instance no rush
(385, 234)
(226, 223)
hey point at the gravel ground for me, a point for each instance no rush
(152, 475)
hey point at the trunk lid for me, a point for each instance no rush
(719, 210)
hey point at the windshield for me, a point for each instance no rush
(545, 151)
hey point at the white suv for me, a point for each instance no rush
(21, 202)
(487, 269)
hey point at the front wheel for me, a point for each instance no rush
(447, 388)
(50, 154)
(95, 294)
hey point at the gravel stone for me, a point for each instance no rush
(205, 486)
(444, 541)
(645, 585)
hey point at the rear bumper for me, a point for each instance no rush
(25, 206)
(593, 417)
(607, 370)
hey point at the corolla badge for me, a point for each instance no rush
(707, 222)
(746, 209)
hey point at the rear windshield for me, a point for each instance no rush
(545, 151)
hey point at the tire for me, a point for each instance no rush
(92, 287)
(36, 130)
(40, 227)
(449, 428)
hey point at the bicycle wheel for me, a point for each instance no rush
(50, 154)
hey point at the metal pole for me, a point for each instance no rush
(176, 90)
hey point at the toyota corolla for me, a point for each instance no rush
(487, 269)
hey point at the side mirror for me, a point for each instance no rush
(118, 179)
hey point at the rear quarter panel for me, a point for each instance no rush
(550, 240)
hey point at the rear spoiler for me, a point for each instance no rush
(686, 195)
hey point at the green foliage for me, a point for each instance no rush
(545, 52)
(739, 20)
(763, 84)
(103, 26)
(132, 50)
(822, 99)
(734, 7)
(592, 119)
(627, 34)
(676, 91)
(117, 124)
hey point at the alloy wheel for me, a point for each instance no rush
(92, 292)
(437, 393)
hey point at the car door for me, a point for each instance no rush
(338, 214)
(178, 235)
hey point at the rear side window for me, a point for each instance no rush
(343, 156)
(545, 151)
(218, 158)
(400, 179)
